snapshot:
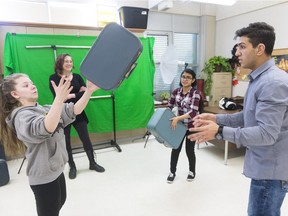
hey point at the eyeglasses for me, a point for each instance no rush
(186, 78)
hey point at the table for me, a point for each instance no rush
(160, 105)
(217, 110)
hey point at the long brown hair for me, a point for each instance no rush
(8, 103)
(58, 66)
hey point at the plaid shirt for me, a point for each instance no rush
(188, 103)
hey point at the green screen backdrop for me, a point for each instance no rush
(134, 102)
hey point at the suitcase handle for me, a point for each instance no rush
(130, 71)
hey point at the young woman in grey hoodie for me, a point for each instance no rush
(39, 131)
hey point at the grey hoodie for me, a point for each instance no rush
(46, 152)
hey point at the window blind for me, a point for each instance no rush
(160, 46)
(186, 47)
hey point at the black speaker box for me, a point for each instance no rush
(133, 17)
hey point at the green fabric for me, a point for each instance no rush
(134, 103)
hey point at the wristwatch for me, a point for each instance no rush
(219, 134)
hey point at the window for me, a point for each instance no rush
(187, 51)
(187, 47)
(160, 46)
(106, 14)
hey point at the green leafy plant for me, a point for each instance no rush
(214, 64)
(165, 95)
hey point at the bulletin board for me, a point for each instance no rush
(242, 73)
(134, 102)
(281, 58)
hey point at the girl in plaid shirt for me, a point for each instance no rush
(187, 99)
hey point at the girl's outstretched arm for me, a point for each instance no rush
(53, 116)
(83, 101)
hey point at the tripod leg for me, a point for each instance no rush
(21, 164)
(199, 144)
(147, 137)
(144, 136)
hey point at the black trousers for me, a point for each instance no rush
(82, 130)
(190, 152)
(50, 197)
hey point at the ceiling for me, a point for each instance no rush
(184, 7)
(177, 7)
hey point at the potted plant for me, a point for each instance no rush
(214, 64)
(165, 96)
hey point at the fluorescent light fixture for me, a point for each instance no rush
(219, 2)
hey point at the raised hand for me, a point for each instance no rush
(62, 90)
(207, 131)
(203, 116)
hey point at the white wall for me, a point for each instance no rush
(275, 15)
(24, 11)
(82, 14)
(244, 6)
(175, 23)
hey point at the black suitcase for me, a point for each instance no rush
(4, 174)
(112, 57)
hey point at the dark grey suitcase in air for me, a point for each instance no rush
(160, 126)
(112, 57)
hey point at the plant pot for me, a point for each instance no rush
(200, 87)
(164, 101)
(218, 68)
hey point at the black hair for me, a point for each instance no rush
(234, 61)
(259, 32)
(192, 73)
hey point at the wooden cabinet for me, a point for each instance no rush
(221, 87)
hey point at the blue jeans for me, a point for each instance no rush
(266, 197)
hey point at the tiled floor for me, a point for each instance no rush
(134, 184)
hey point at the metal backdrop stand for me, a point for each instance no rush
(57, 46)
(113, 143)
